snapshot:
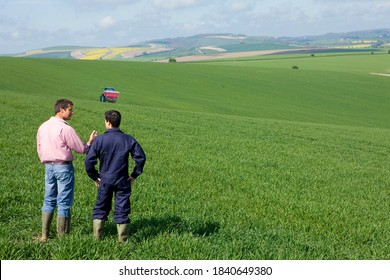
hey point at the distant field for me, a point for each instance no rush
(254, 47)
(210, 44)
(247, 159)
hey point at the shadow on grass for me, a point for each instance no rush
(146, 228)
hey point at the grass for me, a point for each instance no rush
(246, 160)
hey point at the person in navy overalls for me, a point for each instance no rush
(113, 149)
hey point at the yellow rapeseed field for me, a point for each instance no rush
(92, 54)
(34, 51)
(118, 51)
(106, 53)
(353, 46)
(365, 42)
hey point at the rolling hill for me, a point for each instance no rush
(216, 44)
(247, 159)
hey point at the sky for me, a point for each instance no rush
(33, 24)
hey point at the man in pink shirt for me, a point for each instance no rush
(56, 140)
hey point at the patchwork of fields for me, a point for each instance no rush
(247, 159)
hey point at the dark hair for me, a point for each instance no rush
(113, 117)
(62, 104)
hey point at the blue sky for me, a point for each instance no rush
(33, 24)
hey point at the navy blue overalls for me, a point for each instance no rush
(113, 149)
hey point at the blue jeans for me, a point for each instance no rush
(59, 189)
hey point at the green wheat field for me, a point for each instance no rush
(247, 159)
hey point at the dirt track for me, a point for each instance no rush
(223, 55)
(381, 74)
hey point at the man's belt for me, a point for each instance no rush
(58, 162)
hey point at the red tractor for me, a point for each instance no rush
(109, 95)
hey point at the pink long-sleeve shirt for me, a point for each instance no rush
(56, 140)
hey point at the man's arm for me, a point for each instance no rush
(139, 158)
(74, 142)
(90, 162)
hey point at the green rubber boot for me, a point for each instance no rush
(98, 226)
(63, 226)
(46, 222)
(123, 232)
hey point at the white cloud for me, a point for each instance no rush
(107, 22)
(100, 2)
(240, 7)
(15, 35)
(26, 24)
(175, 4)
